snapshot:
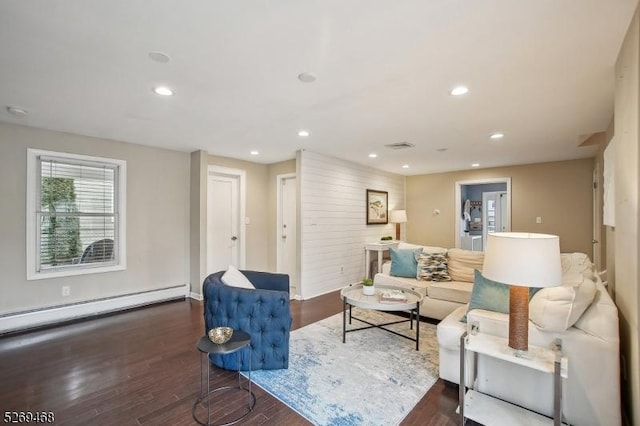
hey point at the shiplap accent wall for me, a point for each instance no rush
(333, 219)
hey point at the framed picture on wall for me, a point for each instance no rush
(377, 207)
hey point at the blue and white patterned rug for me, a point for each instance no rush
(375, 378)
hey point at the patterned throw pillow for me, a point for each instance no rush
(432, 267)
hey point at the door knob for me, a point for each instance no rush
(284, 237)
(594, 241)
(234, 238)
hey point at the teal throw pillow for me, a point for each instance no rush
(490, 295)
(404, 263)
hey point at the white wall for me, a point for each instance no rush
(333, 219)
(157, 221)
(627, 175)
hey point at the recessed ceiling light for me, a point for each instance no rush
(405, 166)
(18, 112)
(459, 90)
(307, 77)
(497, 135)
(254, 152)
(159, 57)
(475, 165)
(303, 133)
(373, 155)
(163, 91)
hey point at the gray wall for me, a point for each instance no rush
(157, 220)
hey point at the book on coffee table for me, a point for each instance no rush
(393, 296)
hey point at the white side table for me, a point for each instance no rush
(380, 247)
(490, 411)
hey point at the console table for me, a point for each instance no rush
(380, 247)
(491, 411)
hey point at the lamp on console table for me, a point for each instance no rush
(398, 217)
(522, 260)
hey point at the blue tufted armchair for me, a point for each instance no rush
(263, 312)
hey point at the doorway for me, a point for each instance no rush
(287, 230)
(476, 215)
(225, 213)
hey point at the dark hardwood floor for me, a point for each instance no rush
(141, 367)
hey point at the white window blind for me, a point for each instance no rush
(78, 218)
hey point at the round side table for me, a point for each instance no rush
(238, 341)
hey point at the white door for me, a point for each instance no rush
(494, 217)
(223, 222)
(287, 230)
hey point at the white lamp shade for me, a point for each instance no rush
(523, 259)
(398, 216)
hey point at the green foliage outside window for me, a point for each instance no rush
(60, 242)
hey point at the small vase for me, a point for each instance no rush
(368, 290)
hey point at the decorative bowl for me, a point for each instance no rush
(220, 335)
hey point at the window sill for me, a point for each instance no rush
(68, 273)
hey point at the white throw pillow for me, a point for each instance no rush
(234, 278)
(558, 308)
(577, 262)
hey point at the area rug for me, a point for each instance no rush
(375, 378)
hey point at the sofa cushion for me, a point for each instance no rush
(462, 263)
(408, 283)
(234, 278)
(425, 249)
(601, 317)
(432, 267)
(454, 291)
(403, 262)
(558, 308)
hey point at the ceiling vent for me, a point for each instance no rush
(400, 145)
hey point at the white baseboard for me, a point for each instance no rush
(37, 318)
(195, 296)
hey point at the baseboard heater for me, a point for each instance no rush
(41, 317)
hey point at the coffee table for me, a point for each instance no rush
(352, 296)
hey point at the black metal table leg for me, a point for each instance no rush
(344, 321)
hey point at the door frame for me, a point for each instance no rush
(279, 179)
(596, 242)
(458, 202)
(241, 175)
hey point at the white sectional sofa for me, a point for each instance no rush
(583, 315)
(440, 298)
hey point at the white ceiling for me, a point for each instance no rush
(541, 71)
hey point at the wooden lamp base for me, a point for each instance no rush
(519, 318)
(397, 232)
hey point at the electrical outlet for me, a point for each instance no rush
(66, 290)
(539, 219)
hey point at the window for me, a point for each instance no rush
(75, 214)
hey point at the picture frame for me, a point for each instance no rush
(377, 207)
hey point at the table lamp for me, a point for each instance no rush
(522, 260)
(398, 217)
